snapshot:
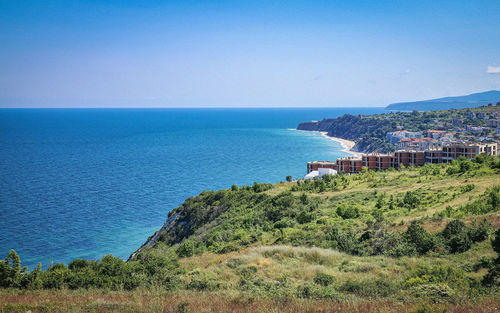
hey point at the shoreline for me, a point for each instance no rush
(346, 144)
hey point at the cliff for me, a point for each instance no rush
(152, 240)
(322, 125)
(367, 132)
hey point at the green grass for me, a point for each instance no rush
(343, 240)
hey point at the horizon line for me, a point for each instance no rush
(215, 107)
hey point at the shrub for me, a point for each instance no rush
(481, 232)
(78, 264)
(305, 217)
(467, 188)
(456, 236)
(411, 199)
(434, 292)
(323, 279)
(347, 211)
(343, 241)
(186, 249)
(420, 238)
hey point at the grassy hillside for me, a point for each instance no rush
(399, 240)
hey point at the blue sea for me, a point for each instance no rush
(82, 183)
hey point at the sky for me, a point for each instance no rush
(290, 53)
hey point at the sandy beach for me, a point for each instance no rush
(347, 144)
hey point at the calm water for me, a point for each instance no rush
(85, 183)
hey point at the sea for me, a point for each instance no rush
(83, 183)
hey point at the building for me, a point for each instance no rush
(408, 157)
(482, 115)
(453, 151)
(457, 120)
(377, 161)
(418, 144)
(433, 156)
(316, 165)
(435, 134)
(475, 130)
(395, 136)
(349, 165)
(493, 123)
(471, 115)
(320, 173)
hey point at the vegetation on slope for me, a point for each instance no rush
(369, 131)
(399, 235)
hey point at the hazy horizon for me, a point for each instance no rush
(290, 54)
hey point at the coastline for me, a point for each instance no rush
(347, 144)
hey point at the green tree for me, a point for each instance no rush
(11, 271)
(456, 236)
(420, 238)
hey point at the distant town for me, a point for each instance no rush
(456, 133)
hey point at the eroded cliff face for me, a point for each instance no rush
(156, 236)
(322, 125)
(367, 133)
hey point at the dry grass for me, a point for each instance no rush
(148, 301)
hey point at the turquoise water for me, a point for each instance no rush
(82, 183)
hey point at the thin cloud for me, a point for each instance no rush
(493, 70)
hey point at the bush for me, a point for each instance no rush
(343, 241)
(186, 249)
(347, 211)
(481, 232)
(456, 236)
(434, 292)
(323, 279)
(411, 199)
(420, 238)
(305, 217)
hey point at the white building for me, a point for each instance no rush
(396, 136)
(320, 173)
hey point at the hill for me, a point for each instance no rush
(366, 242)
(460, 102)
(369, 131)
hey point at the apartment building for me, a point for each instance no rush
(377, 161)
(350, 165)
(316, 165)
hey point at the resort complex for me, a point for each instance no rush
(443, 153)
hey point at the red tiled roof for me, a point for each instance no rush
(436, 131)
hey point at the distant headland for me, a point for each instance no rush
(459, 102)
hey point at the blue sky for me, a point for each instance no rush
(245, 54)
